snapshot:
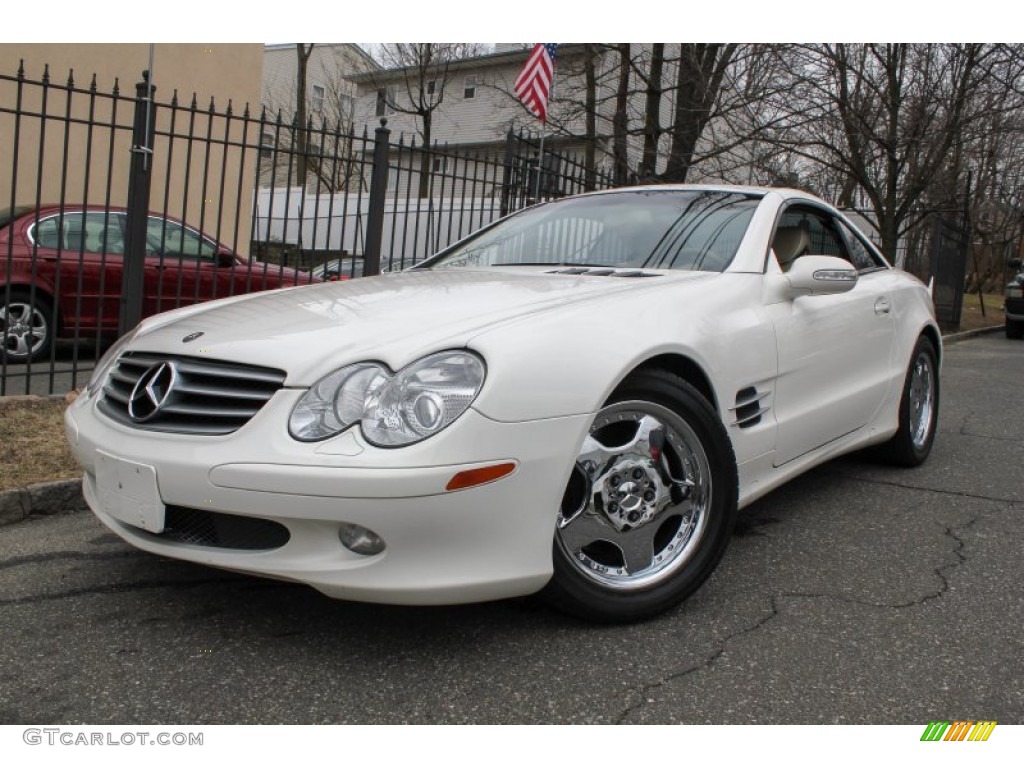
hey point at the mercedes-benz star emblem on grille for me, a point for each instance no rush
(151, 391)
(192, 337)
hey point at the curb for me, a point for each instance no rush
(53, 498)
(953, 338)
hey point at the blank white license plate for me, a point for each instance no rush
(128, 492)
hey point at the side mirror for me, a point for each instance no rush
(225, 257)
(820, 276)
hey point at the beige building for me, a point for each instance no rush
(78, 148)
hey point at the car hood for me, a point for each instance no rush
(309, 331)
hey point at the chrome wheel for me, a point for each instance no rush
(919, 409)
(637, 504)
(25, 329)
(922, 400)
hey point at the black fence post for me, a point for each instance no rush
(140, 174)
(378, 196)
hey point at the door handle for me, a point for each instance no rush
(882, 306)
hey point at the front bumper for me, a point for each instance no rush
(483, 543)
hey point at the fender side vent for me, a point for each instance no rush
(749, 407)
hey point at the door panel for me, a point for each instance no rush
(834, 351)
(834, 365)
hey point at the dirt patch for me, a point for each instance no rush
(971, 317)
(32, 444)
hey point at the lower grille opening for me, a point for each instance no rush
(219, 529)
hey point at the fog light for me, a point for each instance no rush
(360, 540)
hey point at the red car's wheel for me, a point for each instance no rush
(26, 324)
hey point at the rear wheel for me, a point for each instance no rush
(1014, 329)
(919, 409)
(650, 504)
(26, 325)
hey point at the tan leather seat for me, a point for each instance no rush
(790, 244)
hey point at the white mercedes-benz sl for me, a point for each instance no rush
(574, 400)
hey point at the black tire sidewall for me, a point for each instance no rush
(906, 452)
(572, 591)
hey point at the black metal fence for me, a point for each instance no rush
(948, 269)
(114, 207)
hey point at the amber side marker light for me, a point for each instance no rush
(471, 477)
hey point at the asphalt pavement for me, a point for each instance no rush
(69, 366)
(856, 594)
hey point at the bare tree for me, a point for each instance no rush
(415, 80)
(890, 121)
(303, 53)
(312, 135)
(653, 93)
(620, 118)
(701, 72)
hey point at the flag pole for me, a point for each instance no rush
(540, 162)
(535, 88)
(543, 133)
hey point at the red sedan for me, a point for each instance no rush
(60, 273)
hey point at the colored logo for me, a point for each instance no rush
(958, 730)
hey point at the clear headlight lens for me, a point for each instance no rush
(394, 409)
(99, 374)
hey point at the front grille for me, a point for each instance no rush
(205, 397)
(219, 529)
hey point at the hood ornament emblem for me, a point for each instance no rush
(192, 337)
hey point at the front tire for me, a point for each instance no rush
(1014, 329)
(650, 505)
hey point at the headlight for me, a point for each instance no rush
(106, 362)
(394, 409)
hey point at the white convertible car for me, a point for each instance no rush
(575, 400)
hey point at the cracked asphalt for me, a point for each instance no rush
(856, 594)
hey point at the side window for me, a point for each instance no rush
(861, 256)
(46, 233)
(803, 231)
(103, 234)
(80, 233)
(168, 238)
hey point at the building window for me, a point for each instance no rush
(266, 145)
(316, 101)
(469, 90)
(431, 87)
(439, 164)
(385, 98)
(346, 105)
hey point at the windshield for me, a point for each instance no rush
(655, 229)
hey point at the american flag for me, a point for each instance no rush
(533, 86)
